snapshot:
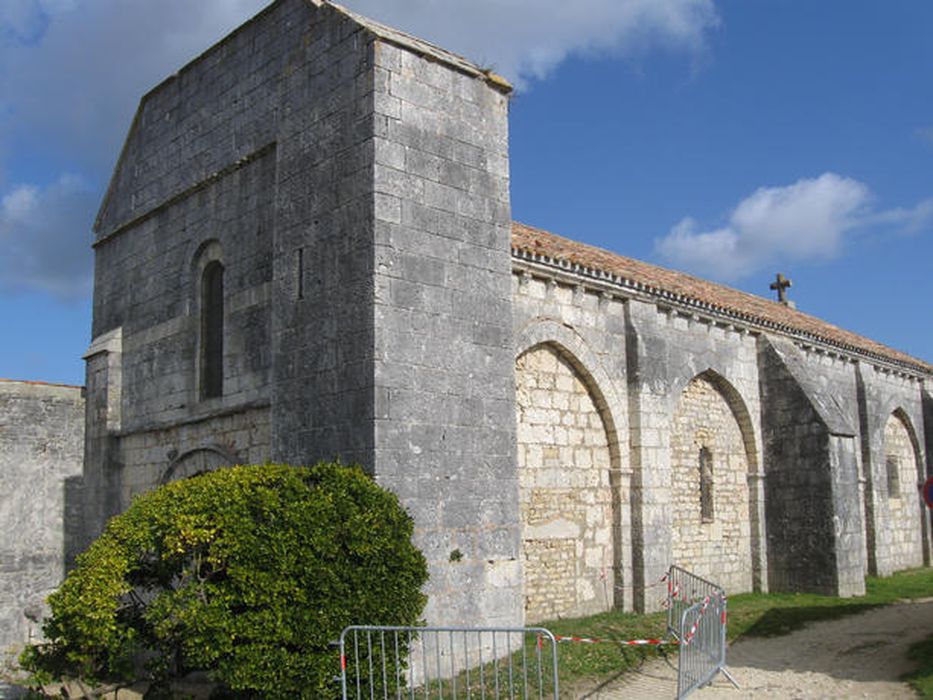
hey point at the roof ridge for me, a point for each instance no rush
(683, 286)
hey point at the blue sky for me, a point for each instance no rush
(728, 138)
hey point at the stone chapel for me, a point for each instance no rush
(306, 252)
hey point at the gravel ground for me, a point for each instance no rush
(859, 656)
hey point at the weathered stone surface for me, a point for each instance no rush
(354, 193)
(718, 546)
(542, 420)
(565, 490)
(41, 444)
(899, 491)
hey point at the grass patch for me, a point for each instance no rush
(750, 614)
(922, 679)
(772, 614)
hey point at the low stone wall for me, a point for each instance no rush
(41, 449)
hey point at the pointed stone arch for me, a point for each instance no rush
(716, 525)
(902, 540)
(569, 487)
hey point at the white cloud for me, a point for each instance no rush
(75, 83)
(525, 39)
(45, 241)
(72, 73)
(71, 92)
(803, 221)
(909, 221)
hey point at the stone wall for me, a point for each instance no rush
(585, 328)
(354, 184)
(155, 457)
(322, 341)
(196, 182)
(41, 444)
(442, 363)
(903, 474)
(565, 490)
(666, 349)
(815, 529)
(718, 546)
(883, 394)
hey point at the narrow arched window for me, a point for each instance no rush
(706, 484)
(212, 331)
(894, 482)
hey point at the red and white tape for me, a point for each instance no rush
(624, 642)
(693, 629)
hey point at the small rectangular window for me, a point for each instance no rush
(300, 271)
(706, 485)
(894, 481)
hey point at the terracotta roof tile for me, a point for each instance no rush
(756, 309)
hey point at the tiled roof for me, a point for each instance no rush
(695, 291)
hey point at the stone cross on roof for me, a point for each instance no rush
(780, 285)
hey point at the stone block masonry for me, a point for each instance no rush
(353, 185)
(444, 429)
(41, 450)
(565, 490)
(713, 542)
(902, 474)
(306, 252)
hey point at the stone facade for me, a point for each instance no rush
(904, 514)
(306, 252)
(41, 449)
(565, 492)
(711, 533)
(347, 187)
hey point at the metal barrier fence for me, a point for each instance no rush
(424, 663)
(696, 618)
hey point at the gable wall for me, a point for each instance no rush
(197, 172)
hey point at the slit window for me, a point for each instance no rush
(894, 482)
(705, 463)
(212, 331)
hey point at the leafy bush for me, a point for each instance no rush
(246, 572)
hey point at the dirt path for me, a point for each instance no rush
(861, 656)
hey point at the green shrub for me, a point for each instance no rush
(246, 572)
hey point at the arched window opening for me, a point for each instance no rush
(894, 481)
(212, 331)
(706, 484)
